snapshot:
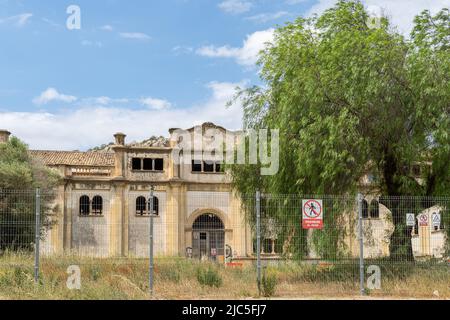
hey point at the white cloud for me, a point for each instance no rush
(235, 6)
(19, 20)
(135, 35)
(295, 1)
(51, 94)
(107, 27)
(155, 104)
(265, 17)
(177, 50)
(102, 101)
(88, 43)
(88, 126)
(247, 55)
(402, 12)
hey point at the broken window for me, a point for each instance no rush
(148, 164)
(137, 164)
(159, 164)
(208, 166)
(196, 166)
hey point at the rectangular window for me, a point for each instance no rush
(219, 167)
(208, 166)
(148, 164)
(159, 164)
(196, 166)
(137, 164)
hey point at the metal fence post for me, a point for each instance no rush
(37, 235)
(151, 268)
(258, 239)
(361, 244)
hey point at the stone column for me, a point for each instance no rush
(115, 220)
(175, 234)
(67, 220)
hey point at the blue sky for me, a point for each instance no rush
(137, 66)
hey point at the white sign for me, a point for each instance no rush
(410, 220)
(423, 220)
(312, 214)
(436, 219)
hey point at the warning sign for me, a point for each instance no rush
(410, 220)
(436, 219)
(312, 214)
(423, 220)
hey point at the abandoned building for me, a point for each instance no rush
(103, 207)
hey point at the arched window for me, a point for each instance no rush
(374, 209)
(97, 205)
(155, 206)
(84, 206)
(365, 209)
(141, 206)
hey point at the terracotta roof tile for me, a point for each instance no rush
(74, 158)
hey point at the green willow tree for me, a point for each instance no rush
(19, 176)
(349, 99)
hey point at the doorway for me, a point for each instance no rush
(208, 238)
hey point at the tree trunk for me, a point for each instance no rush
(400, 246)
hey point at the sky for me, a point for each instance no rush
(139, 67)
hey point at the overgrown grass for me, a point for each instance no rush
(188, 279)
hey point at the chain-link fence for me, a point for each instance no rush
(351, 243)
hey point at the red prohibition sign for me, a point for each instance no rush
(312, 209)
(424, 218)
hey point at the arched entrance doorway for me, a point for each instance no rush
(208, 237)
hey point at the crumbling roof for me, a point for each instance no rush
(155, 142)
(74, 158)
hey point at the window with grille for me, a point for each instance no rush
(84, 206)
(97, 206)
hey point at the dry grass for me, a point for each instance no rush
(177, 279)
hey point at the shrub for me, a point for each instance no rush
(268, 283)
(95, 272)
(209, 277)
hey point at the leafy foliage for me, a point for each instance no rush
(351, 100)
(19, 175)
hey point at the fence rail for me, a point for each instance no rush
(313, 238)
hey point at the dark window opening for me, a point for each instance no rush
(155, 206)
(159, 164)
(219, 167)
(141, 206)
(374, 209)
(416, 226)
(365, 209)
(137, 164)
(97, 205)
(196, 166)
(148, 164)
(208, 166)
(84, 206)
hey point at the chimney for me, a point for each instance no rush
(4, 136)
(120, 139)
